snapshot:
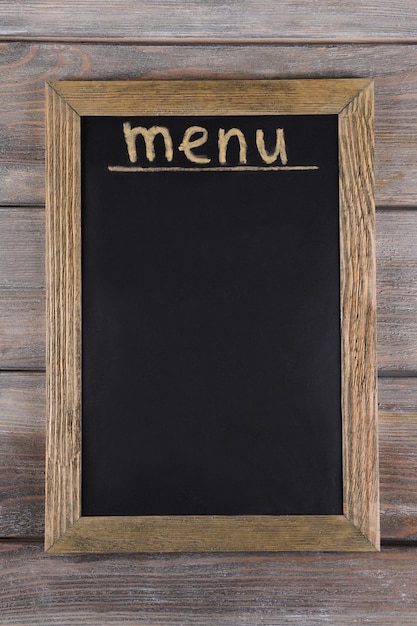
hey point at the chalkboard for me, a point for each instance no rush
(211, 316)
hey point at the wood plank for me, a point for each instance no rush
(25, 67)
(396, 240)
(144, 20)
(22, 328)
(22, 248)
(398, 457)
(22, 288)
(22, 455)
(22, 283)
(211, 589)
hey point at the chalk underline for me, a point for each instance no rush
(236, 168)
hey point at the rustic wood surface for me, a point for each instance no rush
(152, 21)
(212, 589)
(358, 313)
(22, 455)
(398, 457)
(22, 289)
(217, 533)
(207, 97)
(63, 314)
(396, 244)
(208, 590)
(26, 66)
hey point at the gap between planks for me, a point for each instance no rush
(215, 41)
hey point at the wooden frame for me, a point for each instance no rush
(358, 528)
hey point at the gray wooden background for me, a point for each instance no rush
(42, 41)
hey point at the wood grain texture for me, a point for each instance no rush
(398, 448)
(22, 454)
(205, 533)
(22, 248)
(208, 590)
(25, 67)
(22, 333)
(232, 97)
(211, 589)
(63, 312)
(397, 289)
(144, 20)
(358, 313)
(22, 288)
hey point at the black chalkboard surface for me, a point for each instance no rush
(211, 323)
(211, 361)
